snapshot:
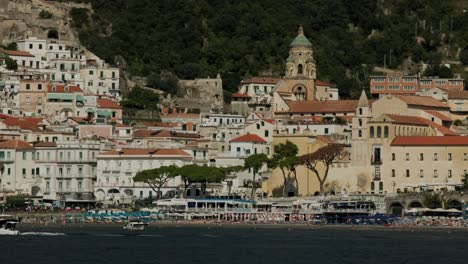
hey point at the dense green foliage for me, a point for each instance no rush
(140, 99)
(11, 64)
(464, 56)
(242, 38)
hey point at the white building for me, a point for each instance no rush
(116, 169)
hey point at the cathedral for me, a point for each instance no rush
(300, 82)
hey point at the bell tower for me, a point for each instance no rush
(300, 63)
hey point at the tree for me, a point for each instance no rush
(11, 64)
(325, 156)
(156, 178)
(285, 158)
(203, 175)
(230, 171)
(464, 56)
(139, 98)
(255, 162)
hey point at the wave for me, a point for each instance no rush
(41, 234)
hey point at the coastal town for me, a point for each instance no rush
(284, 148)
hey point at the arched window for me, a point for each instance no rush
(299, 69)
(360, 133)
(360, 122)
(372, 187)
(371, 132)
(379, 132)
(385, 131)
(360, 111)
(381, 186)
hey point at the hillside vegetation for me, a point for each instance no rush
(245, 38)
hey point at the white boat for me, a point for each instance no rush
(8, 225)
(135, 225)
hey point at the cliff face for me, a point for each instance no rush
(20, 19)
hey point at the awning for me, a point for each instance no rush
(90, 110)
(103, 113)
(57, 96)
(79, 98)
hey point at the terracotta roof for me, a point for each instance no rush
(438, 115)
(121, 125)
(15, 144)
(80, 120)
(321, 83)
(106, 103)
(240, 95)
(455, 94)
(45, 144)
(17, 53)
(431, 141)
(408, 120)
(271, 121)
(143, 133)
(325, 139)
(416, 120)
(61, 89)
(26, 123)
(261, 80)
(158, 124)
(3, 116)
(249, 138)
(154, 152)
(339, 106)
(421, 101)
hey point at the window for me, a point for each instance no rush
(360, 133)
(393, 173)
(24, 155)
(27, 99)
(267, 133)
(407, 173)
(421, 173)
(394, 87)
(61, 156)
(386, 132)
(407, 157)
(371, 132)
(24, 173)
(379, 132)
(465, 156)
(449, 175)
(48, 155)
(28, 86)
(393, 156)
(421, 156)
(360, 122)
(30, 46)
(39, 100)
(435, 174)
(326, 131)
(80, 171)
(91, 72)
(435, 156)
(449, 157)
(360, 111)
(80, 185)
(61, 172)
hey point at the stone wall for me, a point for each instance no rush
(20, 19)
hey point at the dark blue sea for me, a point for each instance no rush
(111, 244)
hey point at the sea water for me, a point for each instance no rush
(112, 244)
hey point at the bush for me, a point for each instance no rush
(11, 64)
(464, 56)
(45, 14)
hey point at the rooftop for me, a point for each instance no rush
(261, 80)
(153, 152)
(17, 53)
(15, 144)
(64, 89)
(106, 103)
(431, 141)
(421, 101)
(339, 106)
(248, 138)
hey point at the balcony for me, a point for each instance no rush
(376, 161)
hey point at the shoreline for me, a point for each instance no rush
(289, 226)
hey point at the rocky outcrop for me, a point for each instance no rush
(20, 19)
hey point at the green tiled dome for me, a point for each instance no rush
(300, 41)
